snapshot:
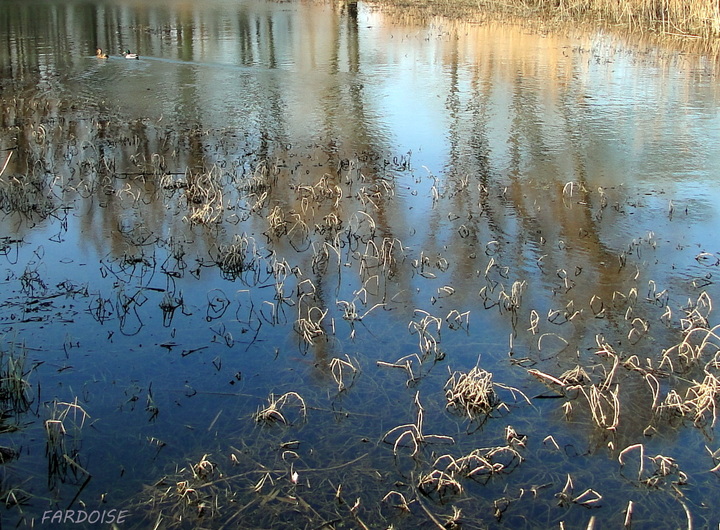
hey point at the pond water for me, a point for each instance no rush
(306, 265)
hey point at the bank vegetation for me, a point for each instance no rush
(698, 19)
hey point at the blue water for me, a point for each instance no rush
(432, 196)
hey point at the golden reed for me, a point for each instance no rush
(697, 18)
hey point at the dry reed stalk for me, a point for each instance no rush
(674, 404)
(15, 387)
(237, 257)
(604, 405)
(482, 464)
(274, 412)
(402, 503)
(699, 18)
(564, 342)
(276, 221)
(197, 493)
(414, 433)
(534, 321)
(310, 327)
(350, 310)
(630, 448)
(457, 320)
(702, 399)
(471, 392)
(439, 485)
(427, 341)
(588, 498)
(694, 346)
(204, 196)
(408, 364)
(575, 377)
(339, 368)
(62, 431)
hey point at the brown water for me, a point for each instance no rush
(276, 197)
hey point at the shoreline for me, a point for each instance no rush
(698, 29)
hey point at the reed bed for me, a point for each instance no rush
(698, 18)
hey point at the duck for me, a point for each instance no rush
(100, 55)
(129, 55)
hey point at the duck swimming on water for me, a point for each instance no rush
(100, 55)
(129, 55)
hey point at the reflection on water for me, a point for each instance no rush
(275, 198)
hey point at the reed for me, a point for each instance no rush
(481, 465)
(344, 371)
(62, 441)
(471, 393)
(204, 196)
(15, 388)
(237, 257)
(288, 409)
(411, 434)
(695, 18)
(409, 364)
(197, 494)
(439, 485)
(588, 498)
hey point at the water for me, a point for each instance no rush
(344, 208)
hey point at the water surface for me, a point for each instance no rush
(287, 199)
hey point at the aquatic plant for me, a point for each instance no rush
(471, 393)
(288, 409)
(343, 371)
(16, 391)
(411, 434)
(62, 443)
(197, 493)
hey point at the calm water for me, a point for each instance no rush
(289, 198)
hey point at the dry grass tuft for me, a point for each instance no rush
(472, 392)
(15, 388)
(411, 434)
(238, 257)
(288, 409)
(439, 485)
(196, 494)
(482, 464)
(344, 371)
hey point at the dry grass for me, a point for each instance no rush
(62, 442)
(197, 494)
(15, 388)
(482, 464)
(237, 257)
(344, 371)
(674, 17)
(471, 393)
(411, 434)
(474, 393)
(439, 485)
(288, 409)
(204, 196)
(588, 498)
